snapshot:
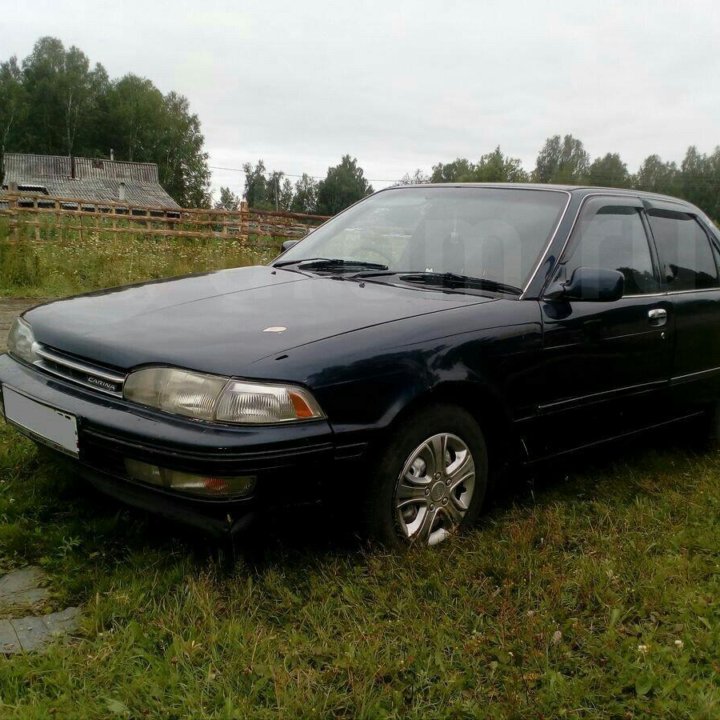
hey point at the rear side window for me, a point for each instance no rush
(614, 238)
(686, 257)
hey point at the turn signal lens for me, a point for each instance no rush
(252, 403)
(300, 405)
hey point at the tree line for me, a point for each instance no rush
(344, 184)
(55, 103)
(562, 160)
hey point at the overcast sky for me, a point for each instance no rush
(404, 84)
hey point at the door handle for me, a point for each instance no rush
(657, 317)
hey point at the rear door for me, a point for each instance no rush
(607, 364)
(688, 255)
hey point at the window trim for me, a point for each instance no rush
(544, 254)
(621, 200)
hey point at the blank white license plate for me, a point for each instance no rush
(54, 427)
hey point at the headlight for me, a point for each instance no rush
(175, 391)
(221, 399)
(21, 342)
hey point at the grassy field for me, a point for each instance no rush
(62, 262)
(592, 591)
(588, 595)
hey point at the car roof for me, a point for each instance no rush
(576, 190)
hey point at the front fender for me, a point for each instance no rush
(487, 358)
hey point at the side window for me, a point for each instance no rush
(614, 238)
(686, 257)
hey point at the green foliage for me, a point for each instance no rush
(305, 195)
(562, 160)
(55, 103)
(492, 167)
(137, 108)
(64, 99)
(285, 195)
(267, 190)
(13, 106)
(279, 191)
(256, 193)
(419, 177)
(496, 167)
(228, 200)
(343, 185)
(459, 170)
(696, 180)
(700, 180)
(182, 162)
(609, 171)
(654, 175)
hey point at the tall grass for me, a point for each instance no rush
(61, 261)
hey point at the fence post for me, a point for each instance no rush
(12, 207)
(225, 220)
(244, 221)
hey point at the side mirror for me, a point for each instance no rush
(288, 244)
(589, 284)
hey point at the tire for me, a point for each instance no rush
(414, 496)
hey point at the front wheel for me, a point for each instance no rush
(431, 480)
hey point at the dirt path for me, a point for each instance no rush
(10, 308)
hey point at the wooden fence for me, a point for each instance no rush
(119, 217)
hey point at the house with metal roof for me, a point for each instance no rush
(89, 182)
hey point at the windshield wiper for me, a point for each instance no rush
(447, 280)
(336, 264)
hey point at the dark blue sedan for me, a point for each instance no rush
(399, 356)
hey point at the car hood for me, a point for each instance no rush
(222, 322)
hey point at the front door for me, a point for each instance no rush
(607, 363)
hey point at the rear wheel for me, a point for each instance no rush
(431, 479)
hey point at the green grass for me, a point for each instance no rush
(62, 262)
(592, 593)
(596, 595)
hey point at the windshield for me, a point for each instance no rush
(496, 234)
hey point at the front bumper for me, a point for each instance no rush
(291, 461)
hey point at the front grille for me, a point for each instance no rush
(78, 371)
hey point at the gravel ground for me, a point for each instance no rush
(10, 308)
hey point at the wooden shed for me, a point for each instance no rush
(89, 181)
